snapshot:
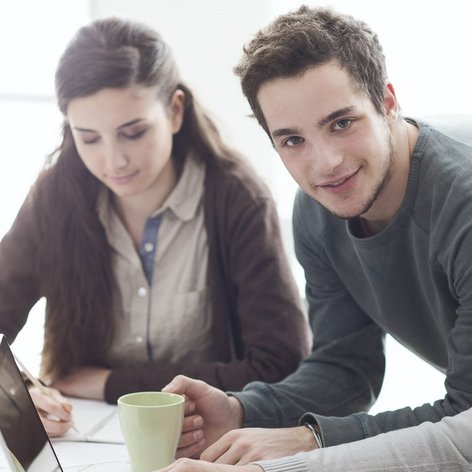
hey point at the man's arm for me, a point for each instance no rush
(345, 369)
(343, 372)
(442, 446)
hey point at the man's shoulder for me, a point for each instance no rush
(446, 154)
(445, 149)
(457, 127)
(445, 184)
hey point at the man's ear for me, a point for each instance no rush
(176, 110)
(390, 102)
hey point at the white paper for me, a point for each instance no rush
(95, 421)
(86, 456)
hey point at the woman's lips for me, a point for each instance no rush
(122, 179)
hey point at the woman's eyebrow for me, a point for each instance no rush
(130, 123)
(124, 125)
(83, 130)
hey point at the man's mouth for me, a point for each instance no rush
(339, 181)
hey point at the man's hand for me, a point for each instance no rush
(242, 446)
(54, 410)
(209, 413)
(85, 382)
(189, 465)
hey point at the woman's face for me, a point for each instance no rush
(124, 137)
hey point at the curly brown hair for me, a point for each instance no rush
(309, 37)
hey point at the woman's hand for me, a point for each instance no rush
(54, 410)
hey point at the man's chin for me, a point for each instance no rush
(347, 213)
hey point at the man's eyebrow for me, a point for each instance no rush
(336, 114)
(284, 132)
(124, 125)
(332, 116)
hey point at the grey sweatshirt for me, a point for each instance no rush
(412, 280)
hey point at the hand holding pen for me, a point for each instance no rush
(55, 410)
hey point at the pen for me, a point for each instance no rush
(37, 383)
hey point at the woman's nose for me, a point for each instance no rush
(116, 159)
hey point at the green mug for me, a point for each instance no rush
(151, 423)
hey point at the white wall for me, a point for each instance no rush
(32, 36)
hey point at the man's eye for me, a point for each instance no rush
(293, 141)
(342, 124)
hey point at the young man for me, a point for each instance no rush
(383, 229)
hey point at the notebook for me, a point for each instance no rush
(94, 421)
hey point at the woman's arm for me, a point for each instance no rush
(19, 277)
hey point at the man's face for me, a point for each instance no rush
(332, 140)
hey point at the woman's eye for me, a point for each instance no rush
(342, 124)
(293, 141)
(90, 140)
(133, 135)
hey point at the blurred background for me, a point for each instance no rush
(425, 43)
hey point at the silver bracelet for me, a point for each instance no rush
(316, 435)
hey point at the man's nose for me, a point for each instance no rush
(325, 159)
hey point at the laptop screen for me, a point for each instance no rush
(20, 424)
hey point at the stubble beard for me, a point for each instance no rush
(377, 190)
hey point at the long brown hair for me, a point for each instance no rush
(78, 280)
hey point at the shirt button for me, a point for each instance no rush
(148, 247)
(139, 339)
(142, 292)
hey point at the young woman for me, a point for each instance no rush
(157, 248)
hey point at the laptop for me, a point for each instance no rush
(24, 441)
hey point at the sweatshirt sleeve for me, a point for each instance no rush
(344, 372)
(343, 375)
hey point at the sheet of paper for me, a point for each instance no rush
(75, 457)
(96, 421)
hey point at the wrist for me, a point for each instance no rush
(315, 433)
(237, 413)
